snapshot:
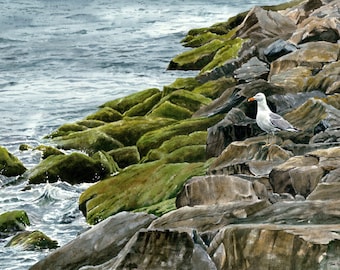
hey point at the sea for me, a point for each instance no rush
(59, 61)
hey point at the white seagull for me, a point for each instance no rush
(267, 120)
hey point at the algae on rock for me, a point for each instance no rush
(9, 164)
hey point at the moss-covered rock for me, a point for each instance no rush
(66, 129)
(229, 50)
(13, 221)
(194, 139)
(48, 151)
(124, 104)
(167, 109)
(105, 114)
(159, 209)
(74, 168)
(181, 84)
(90, 141)
(137, 186)
(113, 135)
(9, 164)
(154, 139)
(91, 123)
(213, 89)
(108, 164)
(144, 107)
(35, 240)
(196, 58)
(125, 156)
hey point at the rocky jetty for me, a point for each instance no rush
(184, 178)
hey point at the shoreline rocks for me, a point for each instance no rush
(193, 155)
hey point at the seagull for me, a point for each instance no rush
(267, 120)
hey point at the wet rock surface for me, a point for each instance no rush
(219, 192)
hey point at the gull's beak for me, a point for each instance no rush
(251, 99)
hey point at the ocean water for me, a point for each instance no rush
(60, 60)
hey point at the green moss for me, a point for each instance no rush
(125, 156)
(190, 153)
(90, 141)
(180, 84)
(213, 89)
(105, 114)
(169, 110)
(137, 186)
(91, 123)
(144, 107)
(229, 50)
(113, 135)
(194, 139)
(66, 129)
(159, 209)
(9, 164)
(197, 58)
(74, 168)
(154, 139)
(48, 151)
(124, 104)
(35, 240)
(13, 221)
(106, 161)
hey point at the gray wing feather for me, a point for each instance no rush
(279, 122)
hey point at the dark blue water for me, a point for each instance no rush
(60, 60)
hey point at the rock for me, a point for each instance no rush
(209, 218)
(9, 164)
(302, 10)
(252, 70)
(137, 186)
(98, 244)
(197, 58)
(13, 221)
(311, 55)
(179, 104)
(250, 156)
(229, 50)
(278, 48)
(301, 174)
(155, 138)
(327, 80)
(188, 84)
(144, 107)
(260, 24)
(213, 89)
(74, 168)
(216, 189)
(174, 145)
(235, 126)
(48, 151)
(113, 135)
(122, 105)
(109, 166)
(125, 156)
(105, 114)
(155, 249)
(316, 29)
(254, 246)
(325, 191)
(34, 240)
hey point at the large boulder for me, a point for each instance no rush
(137, 186)
(302, 174)
(97, 245)
(159, 249)
(9, 164)
(270, 246)
(74, 168)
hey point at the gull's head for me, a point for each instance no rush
(258, 97)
